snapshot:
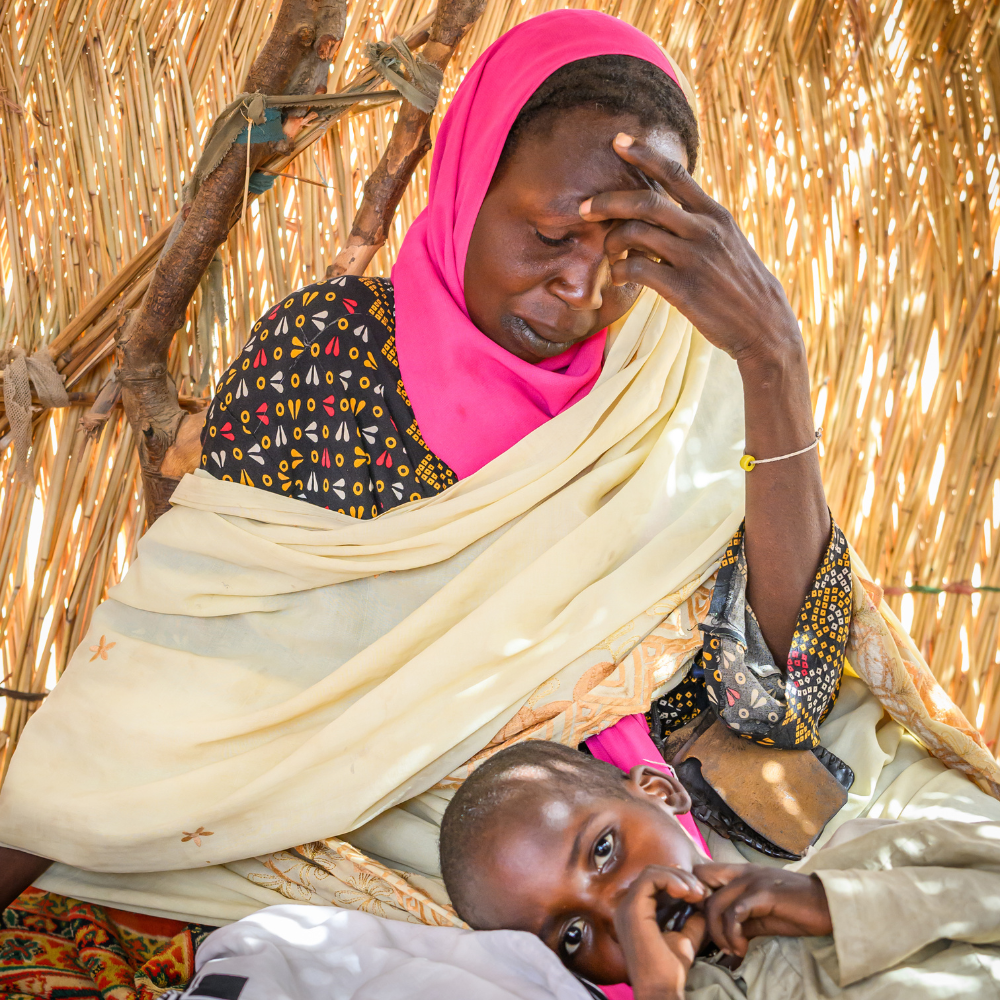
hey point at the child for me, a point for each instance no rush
(545, 839)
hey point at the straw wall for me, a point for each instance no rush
(855, 142)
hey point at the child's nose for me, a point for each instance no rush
(610, 900)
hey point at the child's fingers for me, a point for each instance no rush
(716, 874)
(719, 913)
(736, 942)
(687, 886)
(741, 919)
(674, 881)
(688, 940)
(636, 914)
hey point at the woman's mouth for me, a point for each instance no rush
(534, 343)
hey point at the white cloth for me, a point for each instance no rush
(315, 953)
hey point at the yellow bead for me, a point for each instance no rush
(747, 462)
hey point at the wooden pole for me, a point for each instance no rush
(295, 59)
(410, 141)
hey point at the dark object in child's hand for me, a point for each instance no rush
(672, 914)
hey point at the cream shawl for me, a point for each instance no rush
(271, 673)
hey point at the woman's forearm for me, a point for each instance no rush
(17, 871)
(690, 250)
(787, 518)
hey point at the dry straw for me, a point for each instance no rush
(856, 143)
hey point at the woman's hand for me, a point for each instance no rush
(658, 961)
(705, 266)
(688, 249)
(753, 901)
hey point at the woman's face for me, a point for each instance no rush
(537, 279)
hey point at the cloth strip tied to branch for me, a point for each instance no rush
(250, 111)
(387, 58)
(20, 373)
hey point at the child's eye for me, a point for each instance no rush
(550, 241)
(573, 936)
(603, 850)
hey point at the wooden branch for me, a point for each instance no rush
(410, 141)
(295, 59)
(290, 57)
(108, 398)
(89, 338)
(62, 343)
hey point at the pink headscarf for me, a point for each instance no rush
(472, 399)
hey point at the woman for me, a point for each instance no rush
(516, 492)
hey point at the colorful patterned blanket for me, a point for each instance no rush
(56, 947)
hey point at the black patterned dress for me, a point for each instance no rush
(735, 673)
(314, 407)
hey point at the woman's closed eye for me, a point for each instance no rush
(552, 241)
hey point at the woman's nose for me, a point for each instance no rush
(581, 280)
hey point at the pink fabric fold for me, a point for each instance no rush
(627, 744)
(472, 399)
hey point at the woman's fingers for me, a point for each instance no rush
(666, 279)
(647, 239)
(702, 263)
(648, 206)
(676, 181)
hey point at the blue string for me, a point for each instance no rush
(259, 183)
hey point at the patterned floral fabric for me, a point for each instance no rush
(742, 682)
(52, 946)
(315, 407)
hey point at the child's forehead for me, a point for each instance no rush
(547, 801)
(561, 771)
(528, 773)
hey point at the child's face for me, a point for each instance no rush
(559, 864)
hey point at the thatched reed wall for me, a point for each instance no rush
(856, 142)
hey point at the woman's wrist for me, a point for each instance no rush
(778, 406)
(780, 357)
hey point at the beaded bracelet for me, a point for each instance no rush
(747, 462)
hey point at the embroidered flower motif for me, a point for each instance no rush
(196, 836)
(102, 649)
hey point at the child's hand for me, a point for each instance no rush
(752, 901)
(658, 961)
